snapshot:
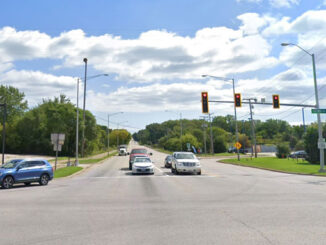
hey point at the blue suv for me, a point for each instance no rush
(25, 171)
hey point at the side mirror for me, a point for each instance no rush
(17, 169)
(198, 158)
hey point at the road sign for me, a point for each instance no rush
(188, 146)
(321, 143)
(237, 145)
(315, 111)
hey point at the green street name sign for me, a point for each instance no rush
(318, 111)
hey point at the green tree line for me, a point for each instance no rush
(167, 135)
(28, 131)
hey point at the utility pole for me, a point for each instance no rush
(108, 133)
(211, 133)
(4, 131)
(181, 129)
(252, 128)
(304, 125)
(204, 128)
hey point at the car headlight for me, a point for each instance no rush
(179, 163)
(197, 164)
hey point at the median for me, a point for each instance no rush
(293, 166)
(64, 172)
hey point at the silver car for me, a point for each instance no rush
(185, 162)
(142, 165)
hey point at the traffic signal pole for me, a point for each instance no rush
(236, 123)
(252, 128)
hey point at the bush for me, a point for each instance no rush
(282, 150)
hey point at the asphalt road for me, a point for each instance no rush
(226, 205)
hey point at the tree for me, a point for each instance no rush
(15, 100)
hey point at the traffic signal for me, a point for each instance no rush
(276, 101)
(237, 100)
(204, 102)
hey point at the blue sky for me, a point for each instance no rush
(156, 51)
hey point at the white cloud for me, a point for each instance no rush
(154, 55)
(38, 85)
(251, 23)
(283, 3)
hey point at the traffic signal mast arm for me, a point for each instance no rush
(263, 103)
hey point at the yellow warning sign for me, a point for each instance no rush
(237, 145)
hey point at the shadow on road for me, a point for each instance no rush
(21, 186)
(124, 169)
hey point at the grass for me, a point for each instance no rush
(63, 172)
(222, 154)
(96, 160)
(282, 165)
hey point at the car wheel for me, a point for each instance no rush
(8, 182)
(44, 179)
(172, 170)
(27, 183)
(176, 171)
(199, 173)
(130, 166)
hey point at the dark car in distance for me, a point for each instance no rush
(168, 161)
(234, 150)
(298, 154)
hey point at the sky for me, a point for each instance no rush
(156, 51)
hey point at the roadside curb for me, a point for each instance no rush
(85, 167)
(272, 170)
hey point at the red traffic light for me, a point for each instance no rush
(237, 100)
(204, 102)
(276, 101)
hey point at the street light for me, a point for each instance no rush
(180, 123)
(235, 109)
(77, 120)
(321, 140)
(113, 114)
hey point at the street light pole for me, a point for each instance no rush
(235, 108)
(84, 104)
(321, 140)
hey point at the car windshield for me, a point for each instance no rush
(142, 159)
(11, 164)
(185, 156)
(137, 151)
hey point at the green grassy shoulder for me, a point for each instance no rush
(222, 154)
(63, 172)
(276, 164)
(96, 160)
